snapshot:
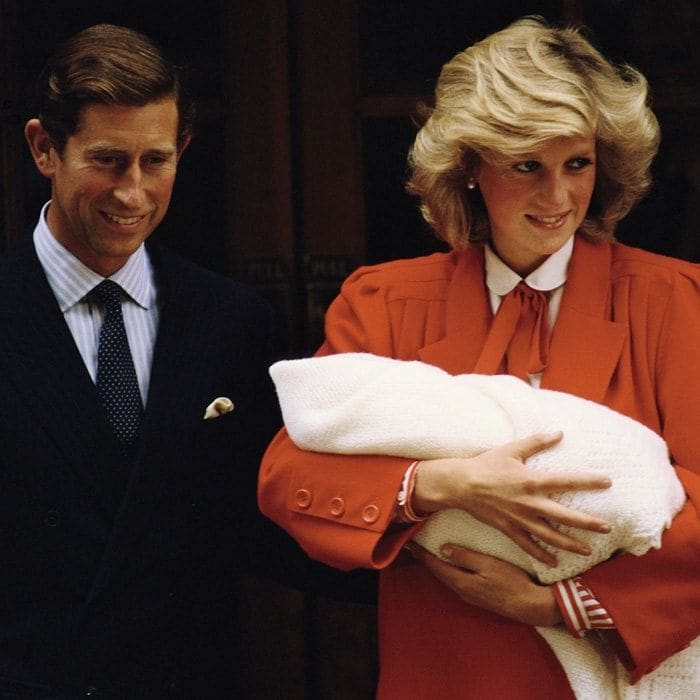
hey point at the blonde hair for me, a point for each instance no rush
(509, 94)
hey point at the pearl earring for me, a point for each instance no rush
(471, 183)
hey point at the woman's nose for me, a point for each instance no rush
(553, 189)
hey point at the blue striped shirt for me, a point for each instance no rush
(71, 282)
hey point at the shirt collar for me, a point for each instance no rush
(500, 279)
(70, 279)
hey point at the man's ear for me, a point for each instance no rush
(41, 147)
(182, 144)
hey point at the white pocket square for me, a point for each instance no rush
(218, 407)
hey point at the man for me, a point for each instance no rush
(124, 513)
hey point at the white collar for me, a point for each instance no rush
(70, 279)
(551, 274)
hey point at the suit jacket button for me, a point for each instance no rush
(370, 513)
(52, 518)
(304, 498)
(337, 506)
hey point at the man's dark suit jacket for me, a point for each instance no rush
(116, 579)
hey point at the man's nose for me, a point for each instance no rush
(129, 188)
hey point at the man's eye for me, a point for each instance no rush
(526, 166)
(156, 161)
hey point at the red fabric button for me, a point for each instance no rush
(370, 513)
(337, 506)
(303, 498)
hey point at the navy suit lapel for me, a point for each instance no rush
(38, 354)
(172, 406)
(45, 365)
(179, 352)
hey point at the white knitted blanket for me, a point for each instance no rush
(356, 403)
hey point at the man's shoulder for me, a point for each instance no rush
(17, 251)
(179, 272)
(19, 267)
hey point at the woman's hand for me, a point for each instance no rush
(497, 488)
(491, 584)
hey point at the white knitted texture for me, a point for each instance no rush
(357, 403)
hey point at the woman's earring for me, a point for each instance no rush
(471, 183)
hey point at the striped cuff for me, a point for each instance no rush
(579, 607)
(404, 513)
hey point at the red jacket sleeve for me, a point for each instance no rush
(655, 599)
(339, 508)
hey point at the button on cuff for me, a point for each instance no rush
(337, 507)
(304, 498)
(370, 513)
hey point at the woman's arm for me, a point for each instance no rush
(492, 584)
(338, 507)
(655, 599)
(499, 490)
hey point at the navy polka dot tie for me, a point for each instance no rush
(117, 385)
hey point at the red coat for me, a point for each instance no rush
(628, 336)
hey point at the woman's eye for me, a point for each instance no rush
(579, 163)
(526, 166)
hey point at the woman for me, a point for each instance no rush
(534, 151)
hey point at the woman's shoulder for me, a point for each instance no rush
(406, 273)
(630, 261)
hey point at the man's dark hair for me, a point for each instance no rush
(107, 64)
